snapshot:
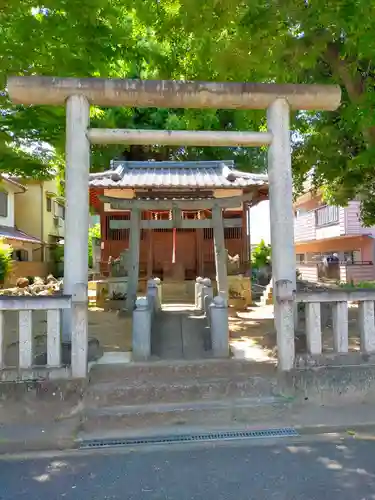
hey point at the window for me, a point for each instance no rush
(233, 233)
(208, 233)
(3, 204)
(300, 258)
(59, 210)
(326, 215)
(20, 255)
(49, 204)
(119, 233)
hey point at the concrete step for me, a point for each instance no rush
(139, 396)
(178, 391)
(266, 302)
(172, 371)
(177, 299)
(178, 292)
(140, 419)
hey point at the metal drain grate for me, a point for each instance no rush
(189, 438)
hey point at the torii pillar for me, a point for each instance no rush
(282, 230)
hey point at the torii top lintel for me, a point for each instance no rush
(171, 94)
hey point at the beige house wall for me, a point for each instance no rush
(32, 216)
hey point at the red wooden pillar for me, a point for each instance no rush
(199, 247)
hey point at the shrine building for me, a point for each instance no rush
(175, 202)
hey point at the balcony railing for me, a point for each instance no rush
(327, 215)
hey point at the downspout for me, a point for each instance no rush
(42, 220)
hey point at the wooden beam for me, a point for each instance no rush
(221, 255)
(244, 250)
(150, 247)
(127, 204)
(170, 224)
(171, 94)
(176, 214)
(212, 138)
(199, 251)
(133, 261)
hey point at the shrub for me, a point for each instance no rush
(94, 232)
(5, 260)
(261, 255)
(361, 284)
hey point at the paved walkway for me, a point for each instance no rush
(180, 332)
(282, 470)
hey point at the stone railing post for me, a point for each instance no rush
(141, 331)
(157, 281)
(207, 295)
(153, 295)
(79, 330)
(198, 293)
(219, 327)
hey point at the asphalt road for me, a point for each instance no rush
(339, 469)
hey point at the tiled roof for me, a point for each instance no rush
(170, 174)
(11, 233)
(13, 181)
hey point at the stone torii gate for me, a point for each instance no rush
(78, 93)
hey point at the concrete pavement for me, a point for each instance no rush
(180, 332)
(312, 469)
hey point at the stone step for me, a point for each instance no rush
(266, 302)
(208, 414)
(173, 371)
(177, 391)
(178, 299)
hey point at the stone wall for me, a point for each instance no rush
(24, 269)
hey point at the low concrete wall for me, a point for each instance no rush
(330, 385)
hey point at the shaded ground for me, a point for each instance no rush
(111, 329)
(252, 332)
(309, 470)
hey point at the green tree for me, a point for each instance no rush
(291, 42)
(295, 42)
(98, 38)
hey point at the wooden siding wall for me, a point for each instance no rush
(308, 272)
(304, 227)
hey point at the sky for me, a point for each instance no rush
(260, 223)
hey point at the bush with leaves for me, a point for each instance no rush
(94, 232)
(5, 260)
(261, 255)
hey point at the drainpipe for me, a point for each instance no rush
(42, 219)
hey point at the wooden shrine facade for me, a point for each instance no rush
(176, 227)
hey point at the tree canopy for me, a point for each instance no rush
(222, 40)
